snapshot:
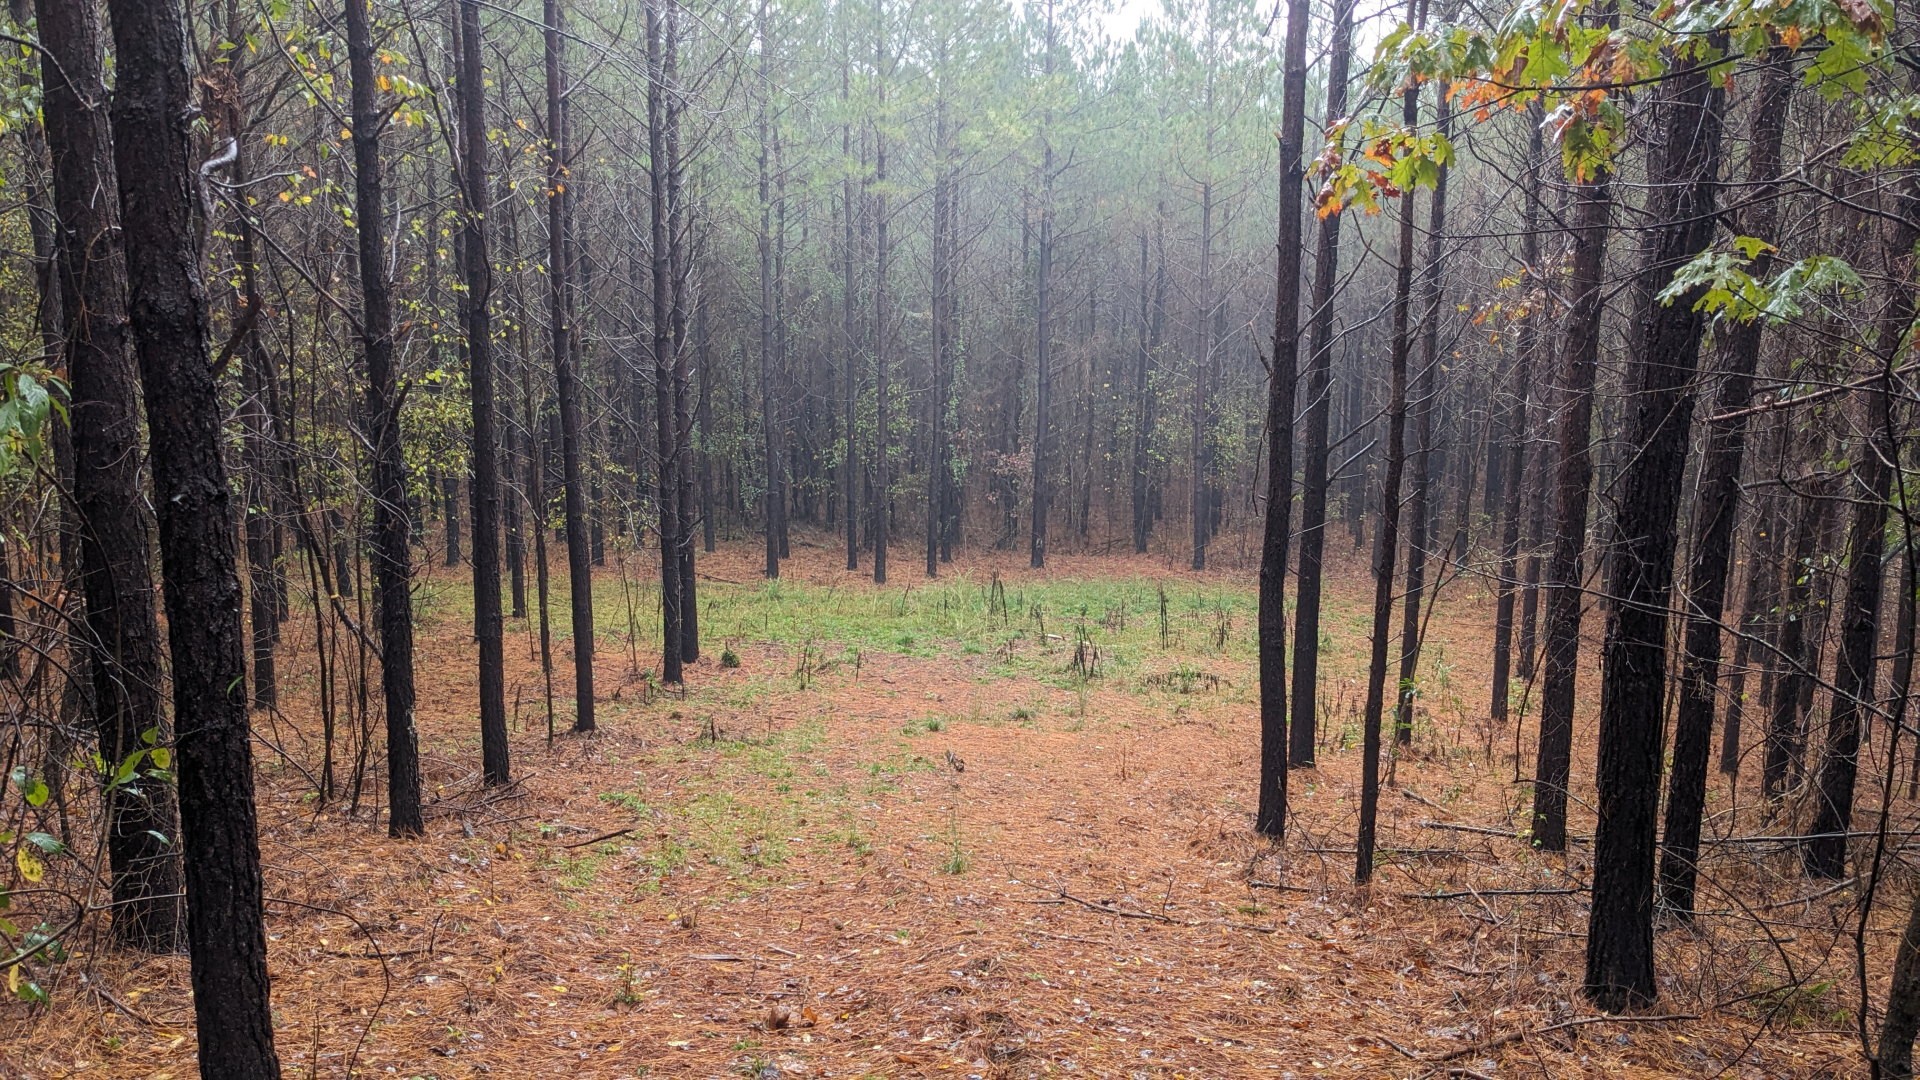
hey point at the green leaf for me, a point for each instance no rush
(45, 842)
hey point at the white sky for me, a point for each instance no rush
(1124, 17)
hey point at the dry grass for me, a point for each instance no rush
(947, 862)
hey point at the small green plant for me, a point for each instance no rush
(851, 839)
(957, 861)
(807, 665)
(729, 658)
(626, 990)
(630, 801)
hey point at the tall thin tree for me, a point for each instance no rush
(566, 381)
(160, 213)
(116, 548)
(476, 316)
(1319, 409)
(1684, 171)
(392, 558)
(1716, 506)
(1281, 382)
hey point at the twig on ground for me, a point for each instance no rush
(1565, 1025)
(602, 836)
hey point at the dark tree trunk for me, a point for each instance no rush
(1785, 739)
(665, 429)
(1894, 1060)
(1573, 476)
(1825, 855)
(1424, 391)
(392, 561)
(1763, 578)
(942, 319)
(679, 229)
(1527, 650)
(850, 450)
(703, 410)
(484, 489)
(1685, 173)
(882, 492)
(1200, 437)
(1515, 428)
(566, 382)
(1716, 506)
(1043, 325)
(1271, 816)
(1143, 414)
(1313, 479)
(153, 136)
(450, 503)
(769, 429)
(116, 548)
(1387, 542)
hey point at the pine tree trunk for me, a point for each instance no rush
(1685, 171)
(560, 314)
(1716, 506)
(1043, 327)
(1313, 480)
(392, 559)
(679, 249)
(483, 490)
(1387, 543)
(1271, 816)
(666, 431)
(1513, 469)
(769, 430)
(115, 546)
(1572, 479)
(153, 137)
(1424, 391)
(882, 507)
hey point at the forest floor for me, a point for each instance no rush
(910, 835)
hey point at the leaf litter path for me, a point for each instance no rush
(956, 859)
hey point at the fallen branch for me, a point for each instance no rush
(1256, 883)
(1475, 894)
(1482, 830)
(1109, 909)
(1564, 1025)
(602, 836)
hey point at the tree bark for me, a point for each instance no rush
(1043, 324)
(769, 430)
(882, 316)
(1514, 468)
(1387, 542)
(665, 429)
(483, 489)
(392, 560)
(560, 313)
(1313, 480)
(1573, 476)
(1424, 391)
(1825, 854)
(1685, 175)
(115, 546)
(1271, 816)
(1716, 506)
(161, 214)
